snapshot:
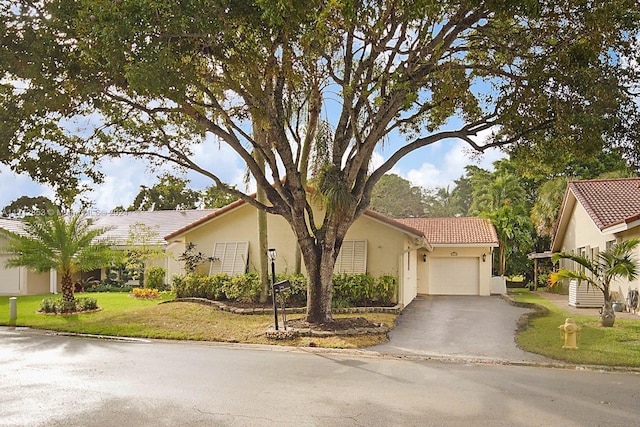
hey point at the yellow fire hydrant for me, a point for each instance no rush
(570, 331)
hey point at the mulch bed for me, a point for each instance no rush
(338, 324)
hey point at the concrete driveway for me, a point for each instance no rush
(461, 326)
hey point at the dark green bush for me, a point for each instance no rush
(154, 278)
(243, 288)
(198, 286)
(355, 289)
(297, 293)
(349, 289)
(385, 289)
(105, 287)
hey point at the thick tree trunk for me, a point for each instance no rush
(320, 259)
(67, 288)
(320, 287)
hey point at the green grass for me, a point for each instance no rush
(124, 316)
(616, 346)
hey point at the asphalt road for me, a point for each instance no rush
(67, 381)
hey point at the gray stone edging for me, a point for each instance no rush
(381, 329)
(289, 310)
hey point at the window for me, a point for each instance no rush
(582, 252)
(231, 258)
(352, 257)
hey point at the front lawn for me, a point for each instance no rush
(616, 346)
(124, 316)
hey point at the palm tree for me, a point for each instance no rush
(67, 246)
(545, 210)
(611, 264)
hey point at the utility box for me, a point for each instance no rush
(583, 296)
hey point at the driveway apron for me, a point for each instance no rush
(461, 326)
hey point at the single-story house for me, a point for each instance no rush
(18, 280)
(431, 256)
(594, 215)
(436, 256)
(124, 230)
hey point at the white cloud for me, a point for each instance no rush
(219, 159)
(15, 186)
(450, 165)
(434, 166)
(123, 178)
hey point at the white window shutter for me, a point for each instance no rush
(230, 258)
(352, 257)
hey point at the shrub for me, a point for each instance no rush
(192, 259)
(297, 293)
(84, 304)
(385, 289)
(199, 286)
(349, 289)
(105, 287)
(48, 305)
(57, 305)
(154, 278)
(177, 281)
(145, 293)
(243, 288)
(82, 285)
(355, 289)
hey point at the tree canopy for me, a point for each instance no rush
(173, 192)
(27, 206)
(395, 197)
(169, 193)
(159, 77)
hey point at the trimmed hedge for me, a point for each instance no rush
(348, 289)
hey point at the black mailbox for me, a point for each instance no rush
(281, 286)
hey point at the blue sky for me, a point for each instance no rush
(434, 166)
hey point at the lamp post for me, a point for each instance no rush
(272, 254)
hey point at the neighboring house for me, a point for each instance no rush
(18, 280)
(450, 256)
(123, 232)
(594, 215)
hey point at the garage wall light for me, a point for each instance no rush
(424, 257)
(484, 257)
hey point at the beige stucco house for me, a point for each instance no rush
(434, 256)
(429, 256)
(124, 230)
(18, 280)
(594, 215)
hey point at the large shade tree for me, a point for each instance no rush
(395, 197)
(159, 76)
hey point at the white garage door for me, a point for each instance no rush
(9, 278)
(454, 276)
